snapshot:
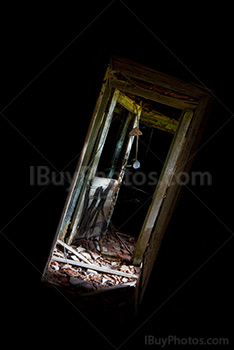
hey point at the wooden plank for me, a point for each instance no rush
(82, 162)
(105, 130)
(152, 95)
(157, 120)
(202, 115)
(161, 189)
(122, 171)
(119, 145)
(92, 170)
(80, 256)
(94, 267)
(147, 74)
(130, 105)
(183, 164)
(86, 152)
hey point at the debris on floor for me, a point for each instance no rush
(95, 264)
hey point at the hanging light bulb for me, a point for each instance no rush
(136, 164)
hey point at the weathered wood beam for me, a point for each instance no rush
(84, 159)
(77, 180)
(103, 131)
(147, 74)
(163, 184)
(80, 256)
(159, 121)
(119, 145)
(94, 267)
(129, 104)
(152, 95)
(183, 164)
(151, 118)
(136, 110)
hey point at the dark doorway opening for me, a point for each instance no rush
(138, 185)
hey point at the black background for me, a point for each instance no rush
(52, 65)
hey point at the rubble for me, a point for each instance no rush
(96, 264)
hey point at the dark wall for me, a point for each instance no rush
(52, 65)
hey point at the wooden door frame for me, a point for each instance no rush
(165, 181)
(183, 164)
(138, 80)
(130, 105)
(84, 158)
(93, 164)
(145, 82)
